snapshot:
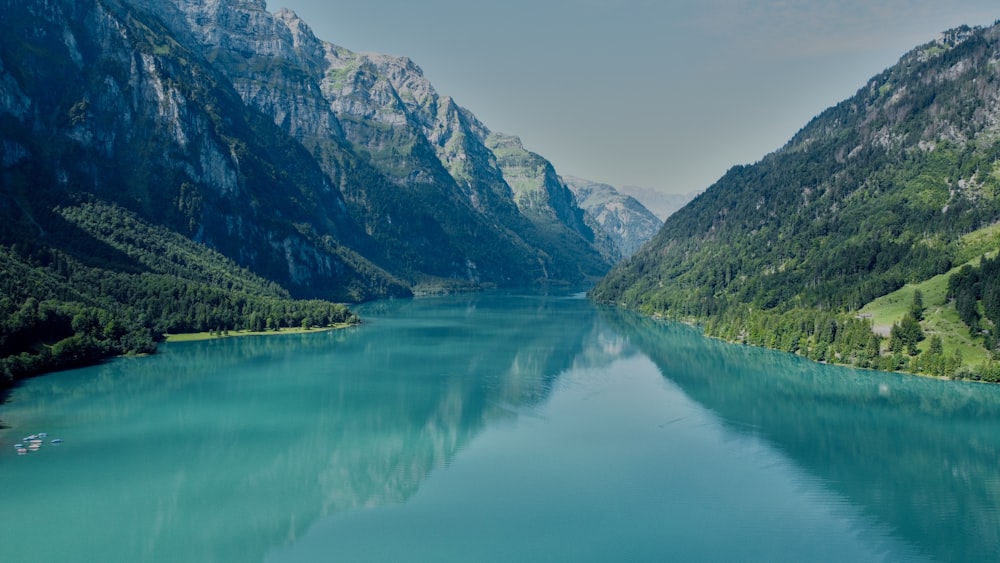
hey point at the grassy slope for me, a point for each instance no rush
(940, 316)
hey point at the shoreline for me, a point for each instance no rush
(695, 324)
(200, 336)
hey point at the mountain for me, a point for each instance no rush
(894, 186)
(555, 216)
(440, 212)
(337, 174)
(101, 100)
(425, 143)
(627, 222)
(238, 135)
(662, 204)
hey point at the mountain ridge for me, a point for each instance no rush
(379, 169)
(874, 193)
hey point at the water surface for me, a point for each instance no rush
(497, 428)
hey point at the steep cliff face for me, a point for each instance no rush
(337, 174)
(410, 163)
(392, 113)
(628, 223)
(538, 190)
(105, 102)
(394, 119)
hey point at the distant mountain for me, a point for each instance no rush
(660, 203)
(626, 222)
(894, 186)
(327, 173)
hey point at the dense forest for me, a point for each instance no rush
(118, 284)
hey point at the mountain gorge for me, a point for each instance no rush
(331, 174)
(886, 190)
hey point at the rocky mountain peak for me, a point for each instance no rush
(310, 49)
(231, 26)
(504, 142)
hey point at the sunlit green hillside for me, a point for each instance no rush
(890, 191)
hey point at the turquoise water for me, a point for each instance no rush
(497, 428)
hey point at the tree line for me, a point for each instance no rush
(839, 338)
(60, 308)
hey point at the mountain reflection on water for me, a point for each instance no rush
(271, 432)
(274, 448)
(920, 455)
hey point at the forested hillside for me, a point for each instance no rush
(120, 285)
(884, 189)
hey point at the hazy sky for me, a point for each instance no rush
(656, 93)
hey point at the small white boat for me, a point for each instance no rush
(42, 434)
(21, 451)
(57, 441)
(18, 446)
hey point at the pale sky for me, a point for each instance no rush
(655, 93)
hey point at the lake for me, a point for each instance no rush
(496, 427)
